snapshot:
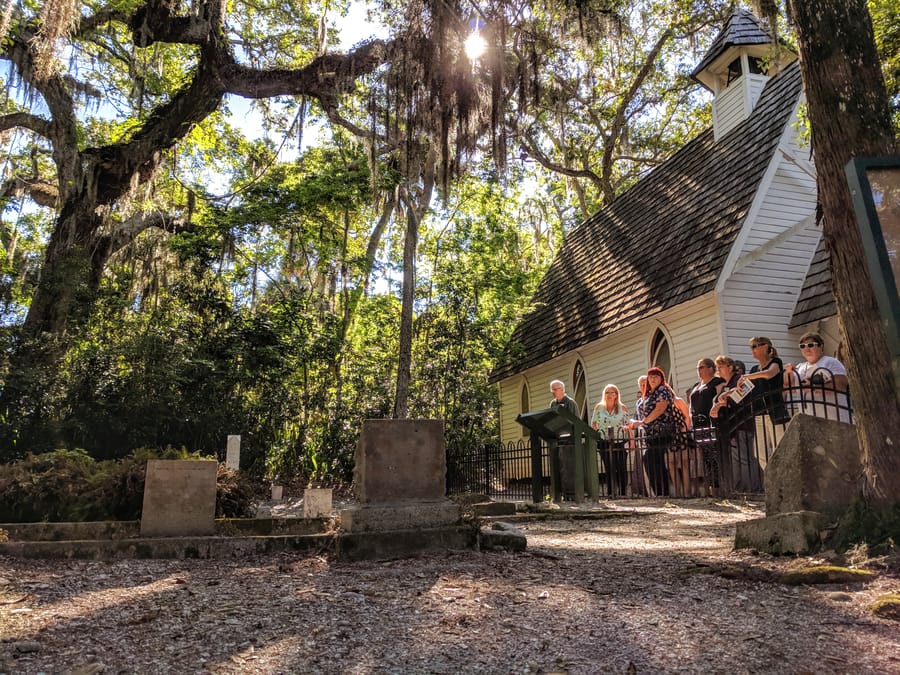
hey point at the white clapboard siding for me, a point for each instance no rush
(766, 271)
(692, 329)
(729, 110)
(734, 105)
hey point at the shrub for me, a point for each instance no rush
(69, 486)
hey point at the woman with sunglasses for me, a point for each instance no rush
(767, 376)
(821, 380)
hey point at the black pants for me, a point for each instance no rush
(615, 465)
(655, 463)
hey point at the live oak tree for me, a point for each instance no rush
(94, 190)
(165, 67)
(850, 116)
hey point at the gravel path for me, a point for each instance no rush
(656, 591)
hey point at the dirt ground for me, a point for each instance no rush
(658, 590)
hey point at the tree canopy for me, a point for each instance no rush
(143, 306)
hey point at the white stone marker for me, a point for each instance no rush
(316, 502)
(233, 452)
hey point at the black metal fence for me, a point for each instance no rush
(726, 457)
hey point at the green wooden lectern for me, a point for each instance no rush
(554, 425)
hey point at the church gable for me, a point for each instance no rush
(661, 243)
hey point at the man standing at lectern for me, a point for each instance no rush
(564, 447)
(561, 398)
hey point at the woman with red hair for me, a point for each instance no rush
(657, 418)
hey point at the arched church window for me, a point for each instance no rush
(660, 353)
(580, 390)
(524, 404)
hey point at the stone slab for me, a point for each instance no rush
(781, 534)
(179, 498)
(404, 543)
(815, 467)
(130, 529)
(316, 502)
(400, 516)
(166, 547)
(501, 540)
(400, 459)
(494, 509)
(233, 452)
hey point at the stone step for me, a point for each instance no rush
(167, 547)
(130, 529)
(345, 545)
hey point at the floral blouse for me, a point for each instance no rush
(605, 419)
(665, 423)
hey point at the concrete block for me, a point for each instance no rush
(783, 533)
(403, 543)
(316, 502)
(400, 459)
(233, 452)
(494, 509)
(816, 467)
(179, 498)
(400, 516)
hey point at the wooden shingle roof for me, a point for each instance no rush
(742, 29)
(816, 300)
(659, 244)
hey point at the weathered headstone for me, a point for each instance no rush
(400, 477)
(233, 452)
(316, 502)
(816, 467)
(179, 498)
(277, 493)
(811, 478)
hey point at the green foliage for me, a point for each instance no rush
(886, 24)
(69, 486)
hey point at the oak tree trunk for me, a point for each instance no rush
(850, 117)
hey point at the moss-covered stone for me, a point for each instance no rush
(827, 574)
(887, 606)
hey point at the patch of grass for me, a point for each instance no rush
(887, 606)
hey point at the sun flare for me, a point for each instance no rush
(475, 46)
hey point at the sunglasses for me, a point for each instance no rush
(804, 345)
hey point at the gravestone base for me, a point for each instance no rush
(812, 478)
(781, 534)
(411, 515)
(404, 543)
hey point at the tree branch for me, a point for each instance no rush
(41, 192)
(38, 125)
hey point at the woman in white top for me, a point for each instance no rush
(821, 380)
(609, 418)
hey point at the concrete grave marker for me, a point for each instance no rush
(812, 478)
(179, 498)
(400, 476)
(316, 502)
(233, 452)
